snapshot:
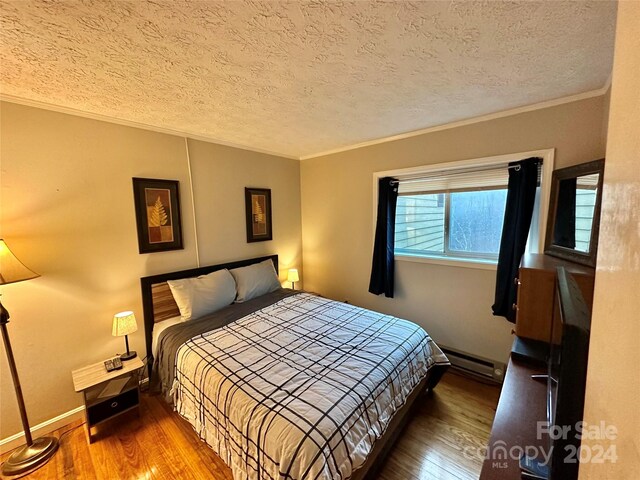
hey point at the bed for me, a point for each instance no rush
(288, 385)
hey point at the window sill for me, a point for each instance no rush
(450, 261)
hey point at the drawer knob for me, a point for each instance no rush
(514, 306)
(114, 404)
(516, 281)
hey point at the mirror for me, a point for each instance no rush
(574, 212)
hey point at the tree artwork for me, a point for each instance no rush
(158, 222)
(158, 216)
(258, 214)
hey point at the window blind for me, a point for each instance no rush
(457, 180)
(587, 181)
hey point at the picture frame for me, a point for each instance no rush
(258, 214)
(158, 219)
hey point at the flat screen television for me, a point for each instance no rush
(567, 375)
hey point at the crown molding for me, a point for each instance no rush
(180, 133)
(130, 123)
(469, 121)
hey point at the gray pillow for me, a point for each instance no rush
(199, 296)
(255, 280)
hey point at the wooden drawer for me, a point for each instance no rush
(535, 303)
(537, 292)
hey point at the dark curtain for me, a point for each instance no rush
(564, 230)
(521, 196)
(382, 264)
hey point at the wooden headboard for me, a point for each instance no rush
(158, 303)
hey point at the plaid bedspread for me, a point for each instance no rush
(300, 389)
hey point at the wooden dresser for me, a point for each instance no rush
(536, 292)
(523, 400)
(522, 405)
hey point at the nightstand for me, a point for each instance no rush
(99, 407)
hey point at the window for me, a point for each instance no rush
(586, 193)
(465, 224)
(452, 213)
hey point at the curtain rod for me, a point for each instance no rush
(455, 171)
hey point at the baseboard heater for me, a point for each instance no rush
(474, 365)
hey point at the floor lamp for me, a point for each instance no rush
(36, 452)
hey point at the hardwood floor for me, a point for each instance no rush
(446, 437)
(440, 442)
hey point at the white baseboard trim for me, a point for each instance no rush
(48, 426)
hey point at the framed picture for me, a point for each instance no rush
(258, 207)
(157, 204)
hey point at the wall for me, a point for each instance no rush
(220, 174)
(67, 213)
(613, 382)
(452, 303)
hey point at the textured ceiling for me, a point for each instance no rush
(300, 78)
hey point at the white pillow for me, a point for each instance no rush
(255, 280)
(202, 295)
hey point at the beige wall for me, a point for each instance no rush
(613, 381)
(452, 303)
(67, 212)
(220, 174)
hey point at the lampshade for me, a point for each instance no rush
(124, 323)
(293, 276)
(11, 269)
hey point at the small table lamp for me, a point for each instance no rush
(124, 323)
(293, 277)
